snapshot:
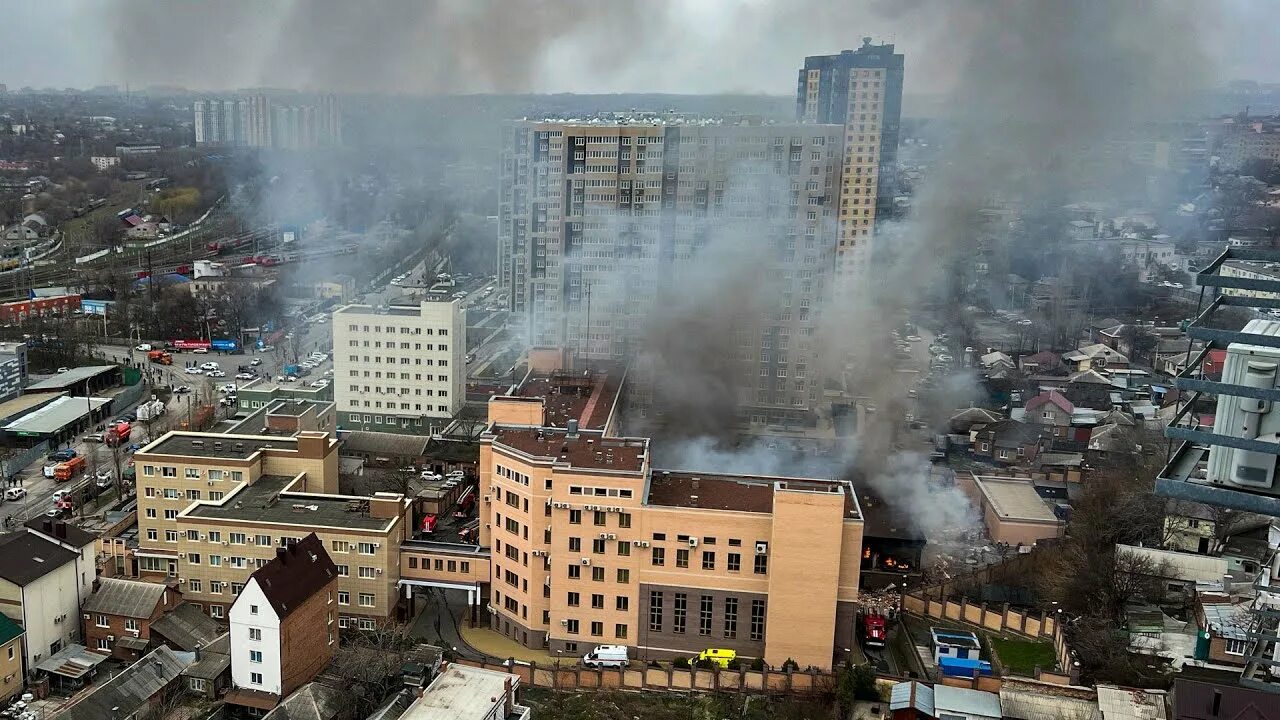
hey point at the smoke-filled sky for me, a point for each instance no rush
(539, 46)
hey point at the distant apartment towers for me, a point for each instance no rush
(259, 121)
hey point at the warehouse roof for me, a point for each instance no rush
(64, 380)
(55, 416)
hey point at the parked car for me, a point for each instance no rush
(210, 366)
(201, 351)
(15, 493)
(194, 371)
(217, 373)
(606, 656)
(144, 347)
(64, 369)
(93, 437)
(182, 389)
(61, 455)
(320, 384)
(255, 362)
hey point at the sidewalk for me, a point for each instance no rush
(496, 645)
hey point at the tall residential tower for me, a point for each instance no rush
(861, 90)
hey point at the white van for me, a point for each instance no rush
(606, 656)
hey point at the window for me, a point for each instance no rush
(597, 574)
(1235, 647)
(237, 538)
(217, 612)
(731, 617)
(708, 560)
(255, 656)
(366, 599)
(762, 564)
(103, 621)
(597, 628)
(104, 644)
(262, 540)
(193, 558)
(215, 560)
(196, 685)
(573, 599)
(366, 548)
(597, 546)
(575, 517)
(734, 562)
(255, 633)
(624, 520)
(343, 571)
(194, 585)
(131, 624)
(682, 558)
(255, 678)
(253, 609)
(705, 606)
(575, 572)
(620, 631)
(757, 619)
(597, 601)
(655, 611)
(679, 613)
(367, 573)
(624, 575)
(659, 556)
(344, 597)
(572, 627)
(622, 602)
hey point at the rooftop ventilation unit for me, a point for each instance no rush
(1253, 367)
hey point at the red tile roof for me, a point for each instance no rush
(1054, 397)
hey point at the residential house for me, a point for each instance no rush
(283, 625)
(185, 628)
(1211, 368)
(460, 692)
(1190, 527)
(1179, 572)
(12, 672)
(1095, 357)
(1044, 362)
(1227, 626)
(995, 361)
(1051, 410)
(1026, 699)
(1097, 327)
(1208, 692)
(210, 673)
(143, 689)
(118, 615)
(1121, 703)
(1006, 441)
(313, 701)
(42, 584)
(968, 419)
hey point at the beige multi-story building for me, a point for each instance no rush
(601, 221)
(399, 367)
(214, 508)
(592, 545)
(861, 90)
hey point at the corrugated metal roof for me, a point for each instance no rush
(1026, 700)
(1182, 566)
(1116, 703)
(128, 692)
(972, 703)
(127, 598)
(911, 694)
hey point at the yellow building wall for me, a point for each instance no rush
(11, 668)
(804, 574)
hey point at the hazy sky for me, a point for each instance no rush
(459, 46)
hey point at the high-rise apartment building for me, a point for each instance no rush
(861, 90)
(258, 121)
(602, 219)
(399, 367)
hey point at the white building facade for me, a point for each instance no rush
(399, 367)
(255, 642)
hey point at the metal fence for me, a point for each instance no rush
(13, 464)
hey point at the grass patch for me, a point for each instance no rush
(606, 705)
(1021, 657)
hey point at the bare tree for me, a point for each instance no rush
(368, 666)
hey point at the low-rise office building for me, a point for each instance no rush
(592, 545)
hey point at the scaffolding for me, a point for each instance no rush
(1185, 475)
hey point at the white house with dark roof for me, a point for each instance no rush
(41, 590)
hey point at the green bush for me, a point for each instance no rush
(791, 665)
(734, 664)
(681, 662)
(757, 664)
(704, 663)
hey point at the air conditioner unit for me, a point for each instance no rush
(488, 525)
(644, 543)
(593, 508)
(204, 537)
(693, 542)
(379, 571)
(486, 498)
(134, 633)
(210, 483)
(604, 536)
(612, 536)
(636, 542)
(226, 542)
(586, 561)
(564, 622)
(762, 548)
(111, 638)
(1253, 366)
(86, 616)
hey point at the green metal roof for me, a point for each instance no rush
(9, 629)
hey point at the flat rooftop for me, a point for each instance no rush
(587, 449)
(240, 447)
(23, 403)
(461, 693)
(1014, 499)
(262, 502)
(741, 493)
(656, 119)
(408, 307)
(62, 381)
(254, 422)
(55, 416)
(586, 396)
